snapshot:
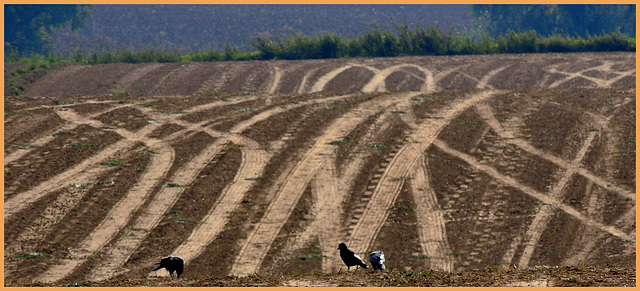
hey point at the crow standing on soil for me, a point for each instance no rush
(171, 264)
(350, 258)
(377, 260)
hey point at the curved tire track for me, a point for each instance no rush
(531, 192)
(259, 241)
(117, 217)
(431, 223)
(389, 186)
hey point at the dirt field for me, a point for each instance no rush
(518, 166)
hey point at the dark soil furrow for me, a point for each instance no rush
(384, 146)
(27, 126)
(65, 151)
(194, 203)
(398, 237)
(129, 118)
(286, 263)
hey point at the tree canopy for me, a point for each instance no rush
(26, 26)
(572, 19)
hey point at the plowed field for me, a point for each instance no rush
(444, 163)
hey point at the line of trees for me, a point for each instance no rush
(546, 20)
(431, 41)
(376, 43)
(26, 27)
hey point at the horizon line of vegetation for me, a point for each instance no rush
(378, 42)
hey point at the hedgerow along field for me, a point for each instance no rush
(445, 163)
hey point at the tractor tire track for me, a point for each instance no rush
(601, 83)
(531, 192)
(389, 186)
(377, 83)
(431, 222)
(87, 170)
(277, 76)
(483, 83)
(544, 213)
(329, 193)
(72, 121)
(331, 188)
(161, 202)
(56, 212)
(253, 162)
(485, 111)
(129, 79)
(259, 241)
(117, 218)
(303, 83)
(322, 82)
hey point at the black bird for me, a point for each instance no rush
(171, 264)
(350, 258)
(377, 260)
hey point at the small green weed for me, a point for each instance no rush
(59, 133)
(172, 185)
(107, 182)
(498, 148)
(339, 142)
(172, 212)
(420, 256)
(30, 255)
(422, 98)
(80, 185)
(63, 102)
(113, 163)
(79, 144)
(255, 178)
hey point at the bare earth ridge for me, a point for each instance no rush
(447, 164)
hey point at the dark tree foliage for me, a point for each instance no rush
(26, 26)
(573, 19)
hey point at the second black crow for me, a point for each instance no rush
(172, 264)
(350, 258)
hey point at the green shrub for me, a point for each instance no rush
(376, 42)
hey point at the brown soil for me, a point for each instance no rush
(190, 208)
(478, 168)
(570, 276)
(66, 150)
(29, 126)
